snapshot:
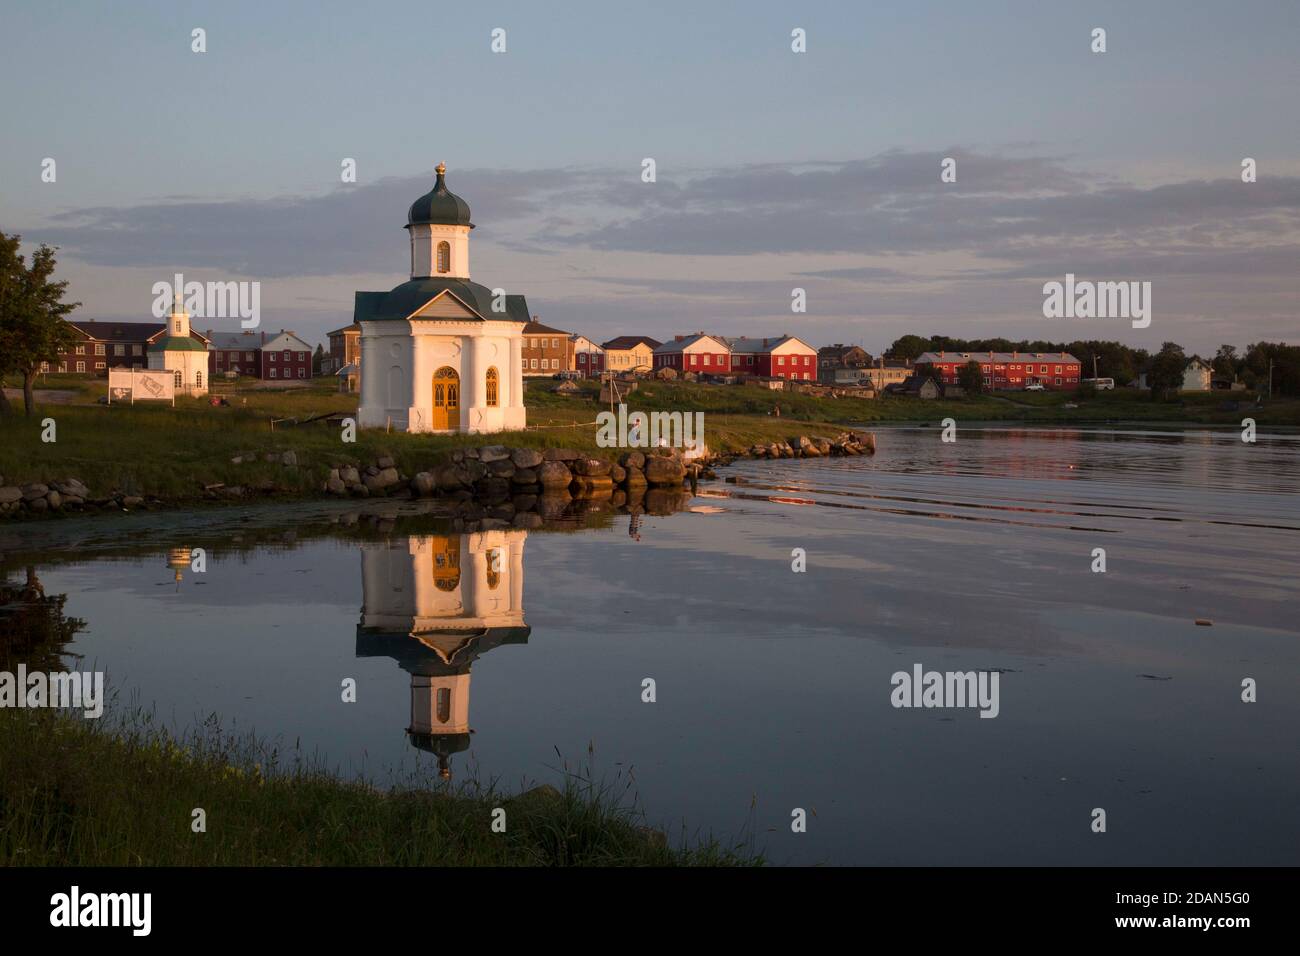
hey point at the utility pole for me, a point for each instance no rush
(1094, 364)
(1270, 379)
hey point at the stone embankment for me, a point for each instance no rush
(495, 471)
(801, 446)
(67, 494)
(491, 474)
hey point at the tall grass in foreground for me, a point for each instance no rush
(122, 791)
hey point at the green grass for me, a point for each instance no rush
(77, 792)
(172, 453)
(1120, 405)
(154, 449)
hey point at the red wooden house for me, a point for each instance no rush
(698, 353)
(782, 357)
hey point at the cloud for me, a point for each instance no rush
(879, 242)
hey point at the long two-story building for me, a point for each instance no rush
(251, 353)
(785, 357)
(105, 345)
(698, 353)
(630, 353)
(1005, 371)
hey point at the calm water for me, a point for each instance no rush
(773, 687)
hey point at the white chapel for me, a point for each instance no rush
(441, 353)
(180, 353)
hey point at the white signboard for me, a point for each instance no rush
(130, 384)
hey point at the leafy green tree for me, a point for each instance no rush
(10, 267)
(971, 378)
(317, 358)
(909, 347)
(32, 310)
(1285, 362)
(1225, 361)
(1165, 376)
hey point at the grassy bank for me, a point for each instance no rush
(75, 792)
(172, 453)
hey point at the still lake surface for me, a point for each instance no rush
(773, 687)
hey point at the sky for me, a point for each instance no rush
(775, 170)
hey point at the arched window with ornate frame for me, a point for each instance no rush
(493, 385)
(444, 257)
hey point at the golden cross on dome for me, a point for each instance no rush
(440, 169)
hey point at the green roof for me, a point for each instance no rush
(439, 206)
(176, 343)
(409, 297)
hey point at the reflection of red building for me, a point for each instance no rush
(1005, 371)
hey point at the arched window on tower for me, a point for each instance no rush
(179, 380)
(444, 257)
(492, 384)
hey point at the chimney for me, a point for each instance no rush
(263, 342)
(764, 342)
(678, 338)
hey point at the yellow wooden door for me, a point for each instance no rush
(446, 399)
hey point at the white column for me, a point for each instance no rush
(516, 371)
(517, 540)
(471, 379)
(418, 415)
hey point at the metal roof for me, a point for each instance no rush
(1004, 357)
(405, 300)
(624, 342)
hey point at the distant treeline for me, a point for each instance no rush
(1124, 364)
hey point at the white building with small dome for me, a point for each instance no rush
(181, 354)
(441, 353)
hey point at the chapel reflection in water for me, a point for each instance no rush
(436, 603)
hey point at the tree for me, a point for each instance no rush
(971, 378)
(908, 348)
(1166, 374)
(32, 329)
(1285, 361)
(10, 266)
(318, 357)
(1225, 361)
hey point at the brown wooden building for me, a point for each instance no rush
(106, 345)
(545, 350)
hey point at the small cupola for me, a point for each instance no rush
(439, 225)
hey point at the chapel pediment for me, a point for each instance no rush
(446, 305)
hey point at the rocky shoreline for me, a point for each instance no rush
(482, 481)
